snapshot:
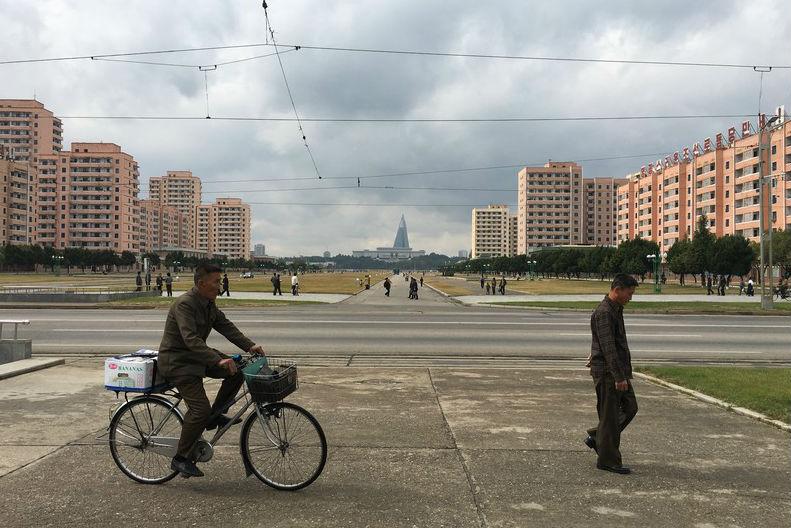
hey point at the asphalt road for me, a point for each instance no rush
(412, 332)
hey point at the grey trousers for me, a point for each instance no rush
(616, 410)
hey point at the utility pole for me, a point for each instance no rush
(767, 300)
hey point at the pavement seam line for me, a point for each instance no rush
(716, 401)
(470, 483)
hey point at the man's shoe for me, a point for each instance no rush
(621, 470)
(591, 442)
(221, 421)
(187, 468)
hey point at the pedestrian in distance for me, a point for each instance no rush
(138, 282)
(294, 284)
(421, 281)
(664, 278)
(709, 289)
(273, 280)
(502, 285)
(367, 282)
(741, 286)
(482, 281)
(723, 284)
(494, 285)
(387, 286)
(169, 284)
(159, 283)
(750, 288)
(148, 281)
(225, 285)
(487, 288)
(611, 369)
(278, 284)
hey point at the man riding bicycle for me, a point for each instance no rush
(185, 359)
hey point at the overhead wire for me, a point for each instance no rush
(424, 53)
(288, 89)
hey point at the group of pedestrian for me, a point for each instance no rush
(493, 287)
(167, 281)
(276, 284)
(721, 283)
(413, 287)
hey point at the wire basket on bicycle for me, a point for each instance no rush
(270, 380)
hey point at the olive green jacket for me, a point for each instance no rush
(183, 351)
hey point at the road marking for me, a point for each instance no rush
(588, 334)
(384, 321)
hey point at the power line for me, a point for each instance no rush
(367, 204)
(194, 66)
(288, 89)
(424, 53)
(301, 120)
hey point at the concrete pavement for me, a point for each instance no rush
(663, 298)
(302, 297)
(408, 447)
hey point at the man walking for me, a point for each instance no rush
(139, 282)
(387, 286)
(709, 289)
(277, 284)
(160, 282)
(169, 284)
(148, 280)
(611, 369)
(225, 285)
(482, 281)
(722, 285)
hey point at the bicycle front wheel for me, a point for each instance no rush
(284, 446)
(143, 436)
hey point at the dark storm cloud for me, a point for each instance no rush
(337, 84)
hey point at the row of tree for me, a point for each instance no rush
(704, 253)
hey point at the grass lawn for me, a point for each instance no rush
(451, 286)
(781, 308)
(222, 302)
(583, 286)
(766, 390)
(341, 282)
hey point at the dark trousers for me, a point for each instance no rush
(199, 410)
(169, 288)
(616, 409)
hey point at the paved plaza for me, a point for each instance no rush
(408, 447)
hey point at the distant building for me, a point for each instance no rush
(493, 232)
(16, 215)
(225, 227)
(399, 251)
(463, 253)
(259, 250)
(179, 189)
(327, 254)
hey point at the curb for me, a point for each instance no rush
(715, 401)
(38, 364)
(448, 297)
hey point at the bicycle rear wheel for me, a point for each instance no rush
(131, 430)
(284, 447)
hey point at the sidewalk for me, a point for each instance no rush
(483, 299)
(302, 297)
(409, 447)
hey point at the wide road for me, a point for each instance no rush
(370, 329)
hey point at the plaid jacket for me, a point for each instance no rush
(609, 349)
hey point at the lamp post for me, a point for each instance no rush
(767, 303)
(532, 268)
(655, 262)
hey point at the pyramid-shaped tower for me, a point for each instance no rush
(401, 239)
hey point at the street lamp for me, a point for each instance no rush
(655, 262)
(767, 303)
(532, 268)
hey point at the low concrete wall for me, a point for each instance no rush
(14, 350)
(73, 297)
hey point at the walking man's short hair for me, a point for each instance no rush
(204, 270)
(622, 280)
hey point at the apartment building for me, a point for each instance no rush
(223, 227)
(182, 190)
(27, 129)
(16, 214)
(549, 206)
(599, 205)
(718, 179)
(88, 197)
(493, 232)
(163, 227)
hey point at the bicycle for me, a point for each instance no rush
(281, 443)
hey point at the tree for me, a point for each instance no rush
(731, 255)
(781, 251)
(701, 249)
(678, 258)
(128, 258)
(153, 258)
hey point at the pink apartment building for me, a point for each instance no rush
(87, 197)
(718, 179)
(182, 190)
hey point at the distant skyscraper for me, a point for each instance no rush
(259, 250)
(400, 250)
(463, 253)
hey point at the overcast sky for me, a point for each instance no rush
(340, 84)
